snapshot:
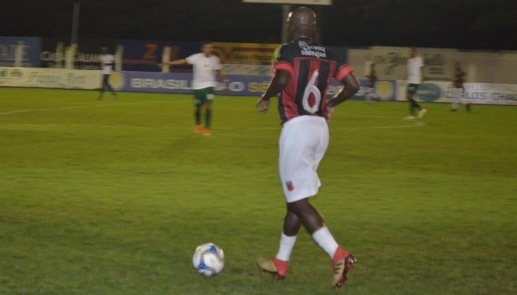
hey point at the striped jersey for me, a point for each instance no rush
(312, 67)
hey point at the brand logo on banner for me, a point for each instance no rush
(385, 90)
(117, 80)
(429, 92)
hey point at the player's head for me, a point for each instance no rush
(301, 22)
(412, 52)
(208, 48)
(104, 49)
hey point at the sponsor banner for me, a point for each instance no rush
(475, 93)
(181, 83)
(29, 51)
(383, 89)
(245, 53)
(145, 55)
(49, 78)
(86, 57)
(391, 62)
(245, 85)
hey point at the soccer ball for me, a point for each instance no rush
(208, 259)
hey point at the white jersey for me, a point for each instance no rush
(414, 74)
(107, 61)
(204, 70)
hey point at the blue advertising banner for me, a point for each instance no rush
(181, 82)
(145, 55)
(30, 49)
(244, 85)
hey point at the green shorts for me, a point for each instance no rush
(412, 88)
(203, 96)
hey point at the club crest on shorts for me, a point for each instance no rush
(289, 185)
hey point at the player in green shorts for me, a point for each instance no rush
(206, 72)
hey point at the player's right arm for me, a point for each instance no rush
(176, 62)
(277, 84)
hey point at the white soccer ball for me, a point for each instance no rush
(208, 259)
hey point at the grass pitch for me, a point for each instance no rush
(111, 197)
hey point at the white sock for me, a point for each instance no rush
(286, 247)
(325, 240)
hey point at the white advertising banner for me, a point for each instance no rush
(50, 78)
(475, 93)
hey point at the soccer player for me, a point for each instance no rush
(302, 73)
(369, 94)
(107, 61)
(415, 66)
(458, 90)
(206, 72)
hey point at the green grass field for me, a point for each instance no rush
(111, 197)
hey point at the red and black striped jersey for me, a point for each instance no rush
(312, 67)
(459, 78)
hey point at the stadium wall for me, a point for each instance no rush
(242, 85)
(252, 58)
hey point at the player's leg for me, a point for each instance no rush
(313, 222)
(198, 99)
(464, 100)
(368, 94)
(409, 98)
(455, 101)
(209, 97)
(279, 264)
(103, 85)
(108, 84)
(413, 104)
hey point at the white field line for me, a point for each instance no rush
(76, 107)
(411, 124)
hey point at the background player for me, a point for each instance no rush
(458, 89)
(206, 72)
(369, 94)
(107, 61)
(303, 71)
(415, 73)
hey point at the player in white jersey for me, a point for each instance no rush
(107, 61)
(415, 65)
(206, 74)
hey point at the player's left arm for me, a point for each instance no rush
(350, 87)
(221, 78)
(422, 67)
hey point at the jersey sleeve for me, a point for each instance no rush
(191, 59)
(421, 62)
(283, 59)
(217, 64)
(342, 69)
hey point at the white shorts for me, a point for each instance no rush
(457, 95)
(303, 143)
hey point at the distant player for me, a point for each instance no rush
(415, 73)
(370, 94)
(107, 62)
(458, 89)
(206, 73)
(302, 73)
